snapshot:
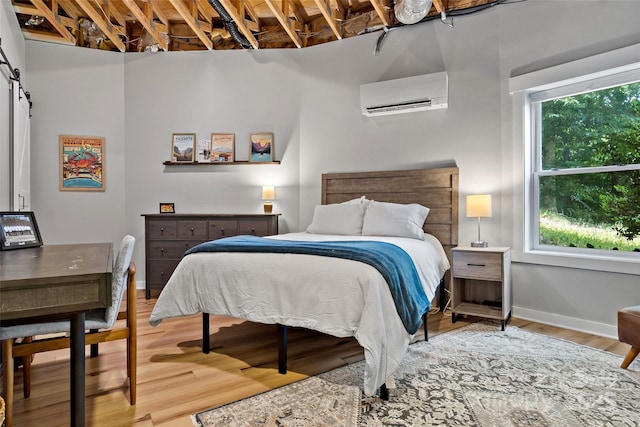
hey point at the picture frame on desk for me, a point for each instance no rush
(183, 147)
(19, 230)
(261, 147)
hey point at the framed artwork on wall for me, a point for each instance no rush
(19, 230)
(222, 147)
(82, 163)
(261, 147)
(183, 146)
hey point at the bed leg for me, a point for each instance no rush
(384, 392)
(206, 338)
(424, 325)
(282, 349)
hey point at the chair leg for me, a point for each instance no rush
(7, 381)
(93, 347)
(132, 340)
(26, 370)
(630, 356)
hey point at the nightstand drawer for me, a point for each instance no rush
(480, 265)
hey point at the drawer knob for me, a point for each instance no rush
(192, 231)
(475, 265)
(253, 231)
(161, 231)
(222, 231)
(161, 251)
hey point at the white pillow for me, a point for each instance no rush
(338, 218)
(360, 200)
(394, 219)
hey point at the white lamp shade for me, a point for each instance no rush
(479, 205)
(268, 192)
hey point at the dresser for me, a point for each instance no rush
(168, 236)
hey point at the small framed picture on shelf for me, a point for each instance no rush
(19, 230)
(222, 147)
(203, 154)
(166, 208)
(261, 147)
(183, 146)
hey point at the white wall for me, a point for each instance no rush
(77, 92)
(13, 47)
(309, 98)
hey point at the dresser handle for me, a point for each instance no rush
(222, 231)
(253, 231)
(192, 231)
(476, 265)
(161, 251)
(161, 231)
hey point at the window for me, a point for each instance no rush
(585, 166)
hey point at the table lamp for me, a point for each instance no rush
(479, 205)
(268, 194)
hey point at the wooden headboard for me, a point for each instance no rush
(436, 189)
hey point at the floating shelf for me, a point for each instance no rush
(240, 162)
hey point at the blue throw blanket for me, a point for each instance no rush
(391, 261)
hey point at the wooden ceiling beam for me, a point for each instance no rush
(111, 11)
(207, 11)
(52, 16)
(297, 11)
(384, 15)
(192, 20)
(103, 24)
(240, 21)
(45, 36)
(327, 12)
(148, 23)
(283, 17)
(438, 5)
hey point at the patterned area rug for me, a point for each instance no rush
(473, 376)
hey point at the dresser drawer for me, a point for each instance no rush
(196, 229)
(171, 249)
(162, 230)
(480, 265)
(253, 227)
(160, 271)
(222, 228)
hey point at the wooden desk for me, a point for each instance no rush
(49, 283)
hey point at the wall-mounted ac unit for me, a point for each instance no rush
(407, 95)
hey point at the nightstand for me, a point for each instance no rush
(481, 283)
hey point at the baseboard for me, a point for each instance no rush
(141, 284)
(573, 323)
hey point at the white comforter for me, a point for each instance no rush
(339, 297)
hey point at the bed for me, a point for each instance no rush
(349, 297)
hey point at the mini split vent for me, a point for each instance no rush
(407, 95)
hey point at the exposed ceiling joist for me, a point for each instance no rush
(54, 19)
(191, 18)
(148, 24)
(140, 25)
(328, 13)
(288, 24)
(238, 16)
(104, 25)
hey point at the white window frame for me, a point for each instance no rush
(597, 72)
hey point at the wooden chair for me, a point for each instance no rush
(36, 338)
(629, 332)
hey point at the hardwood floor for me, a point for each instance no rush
(175, 379)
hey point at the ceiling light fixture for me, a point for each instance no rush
(411, 11)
